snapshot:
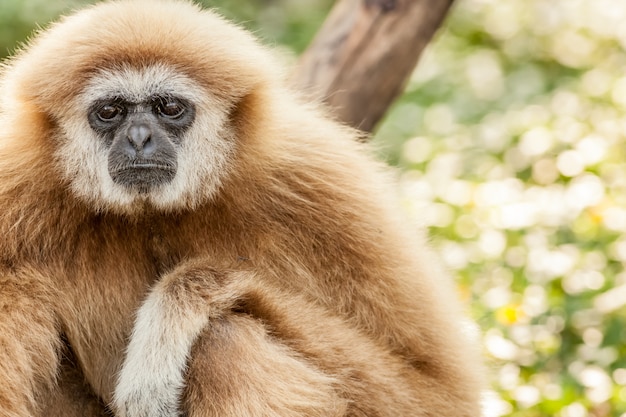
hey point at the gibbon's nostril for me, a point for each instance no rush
(138, 135)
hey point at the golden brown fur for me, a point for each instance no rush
(321, 302)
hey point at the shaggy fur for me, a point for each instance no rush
(274, 278)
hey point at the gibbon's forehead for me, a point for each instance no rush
(137, 85)
(219, 56)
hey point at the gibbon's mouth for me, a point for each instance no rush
(148, 165)
(143, 176)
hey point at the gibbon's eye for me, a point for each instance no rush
(109, 112)
(169, 108)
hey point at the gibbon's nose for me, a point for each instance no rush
(139, 135)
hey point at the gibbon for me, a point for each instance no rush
(183, 235)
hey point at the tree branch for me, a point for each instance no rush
(363, 55)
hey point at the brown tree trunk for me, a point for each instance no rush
(363, 55)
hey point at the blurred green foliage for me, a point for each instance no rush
(511, 140)
(511, 137)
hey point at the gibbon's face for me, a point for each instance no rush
(145, 136)
(141, 94)
(141, 137)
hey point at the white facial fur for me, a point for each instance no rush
(202, 154)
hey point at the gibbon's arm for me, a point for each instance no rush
(240, 367)
(29, 341)
(197, 300)
(210, 342)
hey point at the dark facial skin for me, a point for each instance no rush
(142, 138)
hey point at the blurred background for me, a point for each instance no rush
(510, 141)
